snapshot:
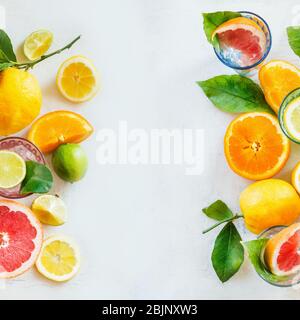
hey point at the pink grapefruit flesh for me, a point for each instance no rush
(20, 238)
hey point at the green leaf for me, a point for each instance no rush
(235, 93)
(294, 38)
(213, 19)
(38, 178)
(5, 65)
(6, 46)
(254, 249)
(218, 211)
(228, 253)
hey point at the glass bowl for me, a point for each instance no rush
(286, 101)
(289, 281)
(28, 151)
(247, 69)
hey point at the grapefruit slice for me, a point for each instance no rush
(244, 35)
(21, 238)
(255, 147)
(282, 252)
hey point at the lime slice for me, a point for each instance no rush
(12, 169)
(50, 210)
(59, 259)
(289, 115)
(37, 44)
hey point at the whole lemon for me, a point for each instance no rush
(268, 203)
(20, 100)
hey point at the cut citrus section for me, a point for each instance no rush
(255, 147)
(12, 169)
(59, 127)
(296, 177)
(77, 79)
(244, 35)
(37, 44)
(59, 259)
(50, 210)
(282, 254)
(278, 78)
(20, 238)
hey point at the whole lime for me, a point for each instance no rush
(70, 162)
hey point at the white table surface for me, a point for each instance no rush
(139, 227)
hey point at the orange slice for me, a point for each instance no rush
(255, 147)
(282, 254)
(59, 127)
(77, 79)
(278, 78)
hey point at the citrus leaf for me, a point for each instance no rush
(228, 253)
(6, 46)
(5, 65)
(235, 94)
(212, 20)
(218, 211)
(294, 38)
(38, 178)
(254, 249)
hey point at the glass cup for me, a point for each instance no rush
(289, 281)
(231, 58)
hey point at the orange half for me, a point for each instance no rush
(255, 147)
(59, 127)
(278, 78)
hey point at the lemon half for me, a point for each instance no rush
(37, 44)
(50, 210)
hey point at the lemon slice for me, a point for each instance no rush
(59, 259)
(291, 119)
(12, 169)
(37, 44)
(77, 79)
(50, 210)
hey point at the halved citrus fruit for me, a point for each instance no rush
(50, 210)
(59, 127)
(37, 44)
(255, 147)
(282, 255)
(21, 238)
(77, 79)
(244, 35)
(12, 169)
(59, 259)
(278, 78)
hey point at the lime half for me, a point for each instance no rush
(50, 210)
(12, 169)
(289, 115)
(37, 44)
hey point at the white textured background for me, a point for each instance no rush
(139, 227)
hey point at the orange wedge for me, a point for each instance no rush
(282, 254)
(278, 78)
(59, 127)
(255, 147)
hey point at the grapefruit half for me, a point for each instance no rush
(282, 252)
(21, 238)
(244, 35)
